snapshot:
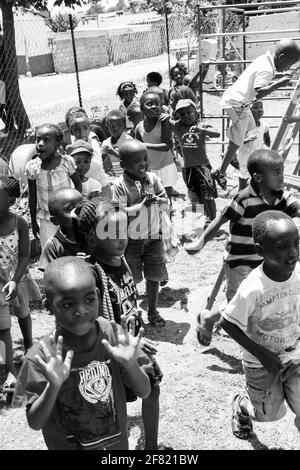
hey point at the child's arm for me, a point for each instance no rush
(267, 138)
(32, 207)
(209, 130)
(56, 372)
(23, 259)
(166, 137)
(76, 180)
(269, 360)
(266, 90)
(125, 352)
(207, 235)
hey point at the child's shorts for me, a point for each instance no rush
(234, 277)
(146, 258)
(237, 130)
(199, 180)
(152, 369)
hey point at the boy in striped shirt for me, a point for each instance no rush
(265, 192)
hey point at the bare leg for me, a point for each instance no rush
(229, 155)
(243, 183)
(5, 336)
(26, 329)
(152, 292)
(150, 415)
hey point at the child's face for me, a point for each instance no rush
(110, 237)
(127, 93)
(81, 128)
(281, 249)
(83, 163)
(257, 111)
(138, 164)
(68, 202)
(151, 106)
(284, 62)
(272, 177)
(116, 126)
(187, 115)
(74, 302)
(178, 75)
(46, 143)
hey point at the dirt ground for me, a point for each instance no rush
(198, 383)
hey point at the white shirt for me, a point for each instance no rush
(90, 186)
(257, 75)
(268, 312)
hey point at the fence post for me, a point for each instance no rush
(75, 60)
(168, 42)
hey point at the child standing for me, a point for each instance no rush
(127, 92)
(16, 286)
(254, 83)
(154, 79)
(82, 153)
(73, 380)
(48, 172)
(101, 231)
(63, 242)
(264, 192)
(197, 169)
(255, 139)
(264, 318)
(116, 125)
(135, 115)
(157, 136)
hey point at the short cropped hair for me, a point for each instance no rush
(115, 113)
(261, 159)
(155, 77)
(11, 185)
(262, 222)
(56, 130)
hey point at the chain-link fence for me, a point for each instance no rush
(83, 66)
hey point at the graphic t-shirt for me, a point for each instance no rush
(192, 143)
(91, 405)
(268, 312)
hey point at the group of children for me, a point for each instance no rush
(98, 212)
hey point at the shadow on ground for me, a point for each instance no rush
(172, 332)
(233, 362)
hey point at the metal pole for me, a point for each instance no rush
(223, 72)
(168, 43)
(247, 5)
(200, 66)
(75, 60)
(251, 33)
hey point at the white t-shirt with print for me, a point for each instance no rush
(268, 312)
(90, 186)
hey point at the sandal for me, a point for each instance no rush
(241, 424)
(204, 335)
(220, 178)
(156, 320)
(163, 283)
(9, 385)
(163, 447)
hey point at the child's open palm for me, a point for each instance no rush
(125, 350)
(54, 368)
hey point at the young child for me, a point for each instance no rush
(73, 380)
(46, 173)
(192, 140)
(264, 319)
(181, 92)
(157, 136)
(101, 231)
(254, 140)
(80, 128)
(63, 243)
(143, 196)
(135, 115)
(16, 286)
(254, 83)
(127, 92)
(116, 125)
(154, 79)
(82, 153)
(264, 192)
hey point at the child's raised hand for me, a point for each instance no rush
(54, 368)
(148, 346)
(10, 289)
(163, 117)
(125, 350)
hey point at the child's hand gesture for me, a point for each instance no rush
(54, 369)
(163, 117)
(148, 346)
(11, 290)
(125, 350)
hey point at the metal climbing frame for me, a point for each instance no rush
(241, 9)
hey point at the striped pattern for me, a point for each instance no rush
(241, 211)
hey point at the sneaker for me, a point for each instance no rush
(220, 178)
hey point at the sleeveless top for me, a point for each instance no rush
(157, 158)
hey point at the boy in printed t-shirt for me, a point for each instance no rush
(264, 318)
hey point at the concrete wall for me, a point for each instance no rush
(91, 51)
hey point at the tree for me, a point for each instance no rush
(95, 8)
(61, 22)
(17, 118)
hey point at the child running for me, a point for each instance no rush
(63, 243)
(264, 192)
(116, 125)
(197, 169)
(82, 153)
(101, 231)
(264, 319)
(73, 380)
(254, 83)
(17, 287)
(49, 171)
(157, 136)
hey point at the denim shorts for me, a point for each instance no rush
(146, 258)
(267, 393)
